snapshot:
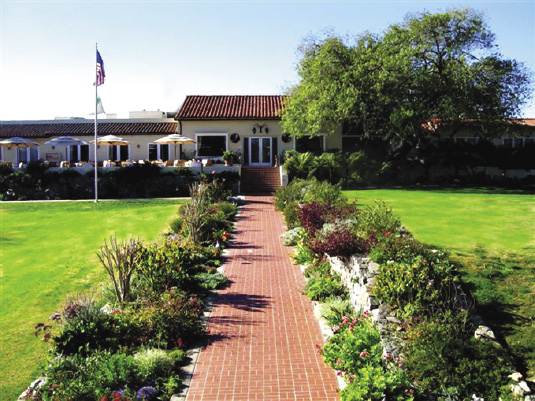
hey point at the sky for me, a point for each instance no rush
(157, 52)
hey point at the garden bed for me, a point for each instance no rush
(422, 343)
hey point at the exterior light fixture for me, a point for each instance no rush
(260, 127)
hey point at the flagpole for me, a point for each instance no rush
(96, 124)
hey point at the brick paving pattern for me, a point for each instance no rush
(263, 332)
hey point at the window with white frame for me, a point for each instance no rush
(211, 145)
(158, 152)
(119, 152)
(26, 155)
(78, 153)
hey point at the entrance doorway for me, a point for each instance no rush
(260, 149)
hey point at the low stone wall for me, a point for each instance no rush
(358, 275)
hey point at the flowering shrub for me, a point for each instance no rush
(147, 393)
(85, 328)
(355, 351)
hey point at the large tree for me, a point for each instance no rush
(432, 69)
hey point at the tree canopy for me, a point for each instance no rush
(431, 69)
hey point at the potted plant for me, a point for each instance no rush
(230, 157)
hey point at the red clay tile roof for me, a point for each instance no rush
(231, 108)
(47, 129)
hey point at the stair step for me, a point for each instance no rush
(260, 179)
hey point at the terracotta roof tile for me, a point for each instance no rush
(231, 108)
(47, 129)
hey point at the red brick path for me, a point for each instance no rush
(263, 333)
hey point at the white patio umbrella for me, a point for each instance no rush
(65, 141)
(175, 139)
(18, 142)
(111, 140)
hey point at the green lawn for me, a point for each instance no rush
(492, 233)
(47, 253)
(462, 219)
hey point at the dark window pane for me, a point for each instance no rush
(307, 144)
(153, 151)
(211, 146)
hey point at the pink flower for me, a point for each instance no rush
(366, 313)
(338, 362)
(338, 373)
(336, 328)
(388, 355)
(364, 354)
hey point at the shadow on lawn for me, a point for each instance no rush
(471, 190)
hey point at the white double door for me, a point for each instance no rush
(260, 149)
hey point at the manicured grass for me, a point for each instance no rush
(461, 219)
(492, 233)
(48, 253)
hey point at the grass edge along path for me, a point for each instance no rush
(492, 233)
(47, 254)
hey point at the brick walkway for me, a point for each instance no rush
(263, 333)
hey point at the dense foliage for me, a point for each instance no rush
(432, 67)
(441, 162)
(139, 181)
(439, 357)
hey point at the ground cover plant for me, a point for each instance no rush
(438, 354)
(48, 251)
(130, 339)
(492, 233)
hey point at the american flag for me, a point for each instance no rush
(100, 71)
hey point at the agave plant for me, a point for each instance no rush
(300, 165)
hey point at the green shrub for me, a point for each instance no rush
(85, 328)
(376, 219)
(324, 192)
(89, 378)
(211, 281)
(320, 287)
(230, 210)
(319, 268)
(291, 213)
(176, 225)
(290, 194)
(163, 266)
(154, 364)
(440, 357)
(418, 280)
(333, 309)
(373, 383)
(291, 237)
(175, 319)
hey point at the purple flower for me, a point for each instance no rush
(55, 316)
(146, 393)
